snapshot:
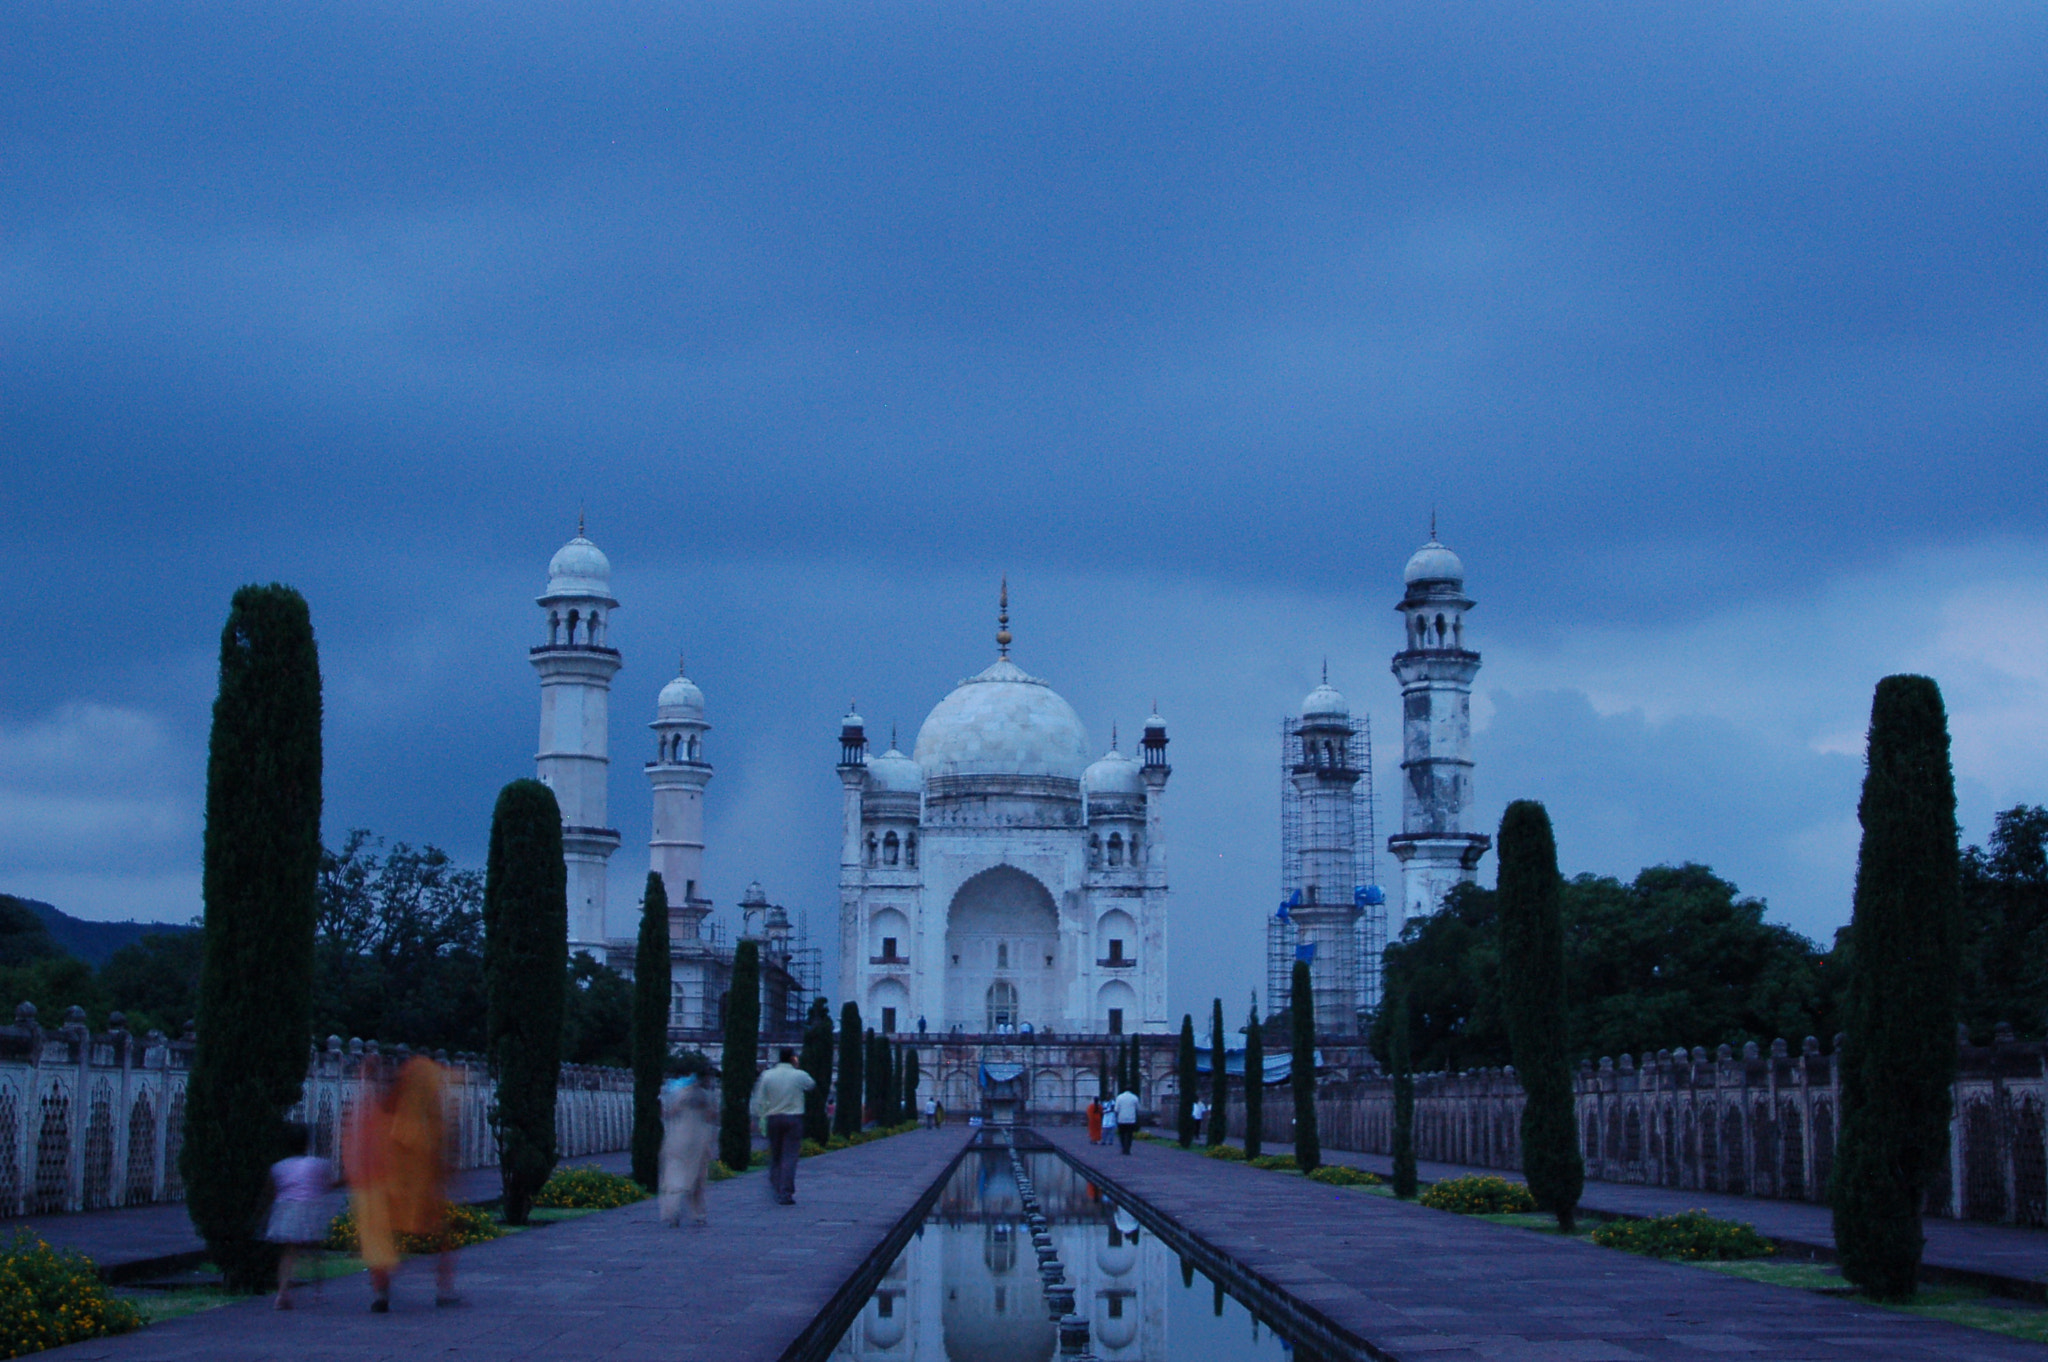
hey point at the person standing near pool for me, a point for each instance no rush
(779, 1103)
(1126, 1118)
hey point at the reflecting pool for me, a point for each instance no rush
(975, 1283)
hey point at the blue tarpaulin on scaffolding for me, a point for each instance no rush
(991, 1074)
(1278, 1068)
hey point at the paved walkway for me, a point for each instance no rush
(2005, 1257)
(1412, 1283)
(141, 1241)
(615, 1285)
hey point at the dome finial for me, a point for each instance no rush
(1326, 669)
(682, 664)
(892, 736)
(1112, 736)
(1432, 524)
(579, 522)
(1003, 619)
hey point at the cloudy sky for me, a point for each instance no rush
(1713, 335)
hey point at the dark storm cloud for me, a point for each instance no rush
(828, 313)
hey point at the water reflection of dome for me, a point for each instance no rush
(1116, 1255)
(886, 1331)
(1117, 1332)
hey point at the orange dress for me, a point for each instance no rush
(397, 1164)
(1095, 1123)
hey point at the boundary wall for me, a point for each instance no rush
(89, 1122)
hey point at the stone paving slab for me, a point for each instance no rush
(1995, 1253)
(1413, 1283)
(134, 1240)
(616, 1285)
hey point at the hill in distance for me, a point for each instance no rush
(26, 924)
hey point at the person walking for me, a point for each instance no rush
(931, 1113)
(778, 1103)
(1108, 1122)
(689, 1133)
(398, 1176)
(299, 1210)
(1126, 1118)
(1094, 1121)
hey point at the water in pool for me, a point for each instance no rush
(968, 1287)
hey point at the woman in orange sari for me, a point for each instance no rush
(398, 1175)
(1094, 1121)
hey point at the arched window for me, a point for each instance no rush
(573, 618)
(1095, 851)
(910, 850)
(696, 747)
(1116, 849)
(1002, 955)
(596, 629)
(891, 849)
(554, 627)
(1002, 1005)
(1440, 631)
(1134, 849)
(874, 851)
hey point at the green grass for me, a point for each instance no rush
(1967, 1306)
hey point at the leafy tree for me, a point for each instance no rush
(742, 1046)
(1403, 1072)
(1254, 1083)
(651, 976)
(1219, 1079)
(2005, 926)
(399, 951)
(1532, 987)
(261, 862)
(23, 937)
(155, 980)
(852, 1057)
(1903, 986)
(911, 1076)
(1308, 1148)
(816, 1060)
(1188, 1079)
(526, 929)
(1451, 962)
(597, 1014)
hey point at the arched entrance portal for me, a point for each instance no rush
(1002, 953)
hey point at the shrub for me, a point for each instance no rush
(811, 1149)
(1691, 1235)
(466, 1225)
(49, 1298)
(1230, 1153)
(1282, 1163)
(1479, 1195)
(587, 1187)
(1337, 1175)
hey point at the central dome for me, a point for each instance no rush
(1003, 722)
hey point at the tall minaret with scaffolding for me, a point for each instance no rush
(576, 668)
(1332, 911)
(1436, 671)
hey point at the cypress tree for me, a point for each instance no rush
(892, 1086)
(874, 1070)
(1188, 1079)
(1254, 1084)
(911, 1075)
(1901, 1012)
(1532, 989)
(526, 958)
(852, 1053)
(1130, 1083)
(816, 1060)
(1219, 1079)
(650, 1028)
(1308, 1149)
(261, 869)
(1104, 1086)
(739, 1067)
(1404, 1089)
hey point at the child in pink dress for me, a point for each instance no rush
(299, 1209)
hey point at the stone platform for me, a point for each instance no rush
(615, 1285)
(1405, 1282)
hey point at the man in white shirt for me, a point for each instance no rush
(1126, 1118)
(778, 1103)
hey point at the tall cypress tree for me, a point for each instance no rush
(262, 864)
(875, 1071)
(816, 1060)
(1903, 980)
(526, 957)
(1106, 1086)
(1532, 993)
(1188, 1079)
(1254, 1084)
(1308, 1148)
(852, 1053)
(1219, 1079)
(739, 1067)
(650, 1028)
(1399, 1063)
(911, 1075)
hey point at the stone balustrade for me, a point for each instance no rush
(91, 1121)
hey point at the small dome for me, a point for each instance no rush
(1434, 563)
(852, 720)
(894, 773)
(579, 568)
(755, 897)
(1155, 724)
(1115, 774)
(1325, 701)
(680, 700)
(1003, 722)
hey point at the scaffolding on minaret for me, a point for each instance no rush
(1356, 971)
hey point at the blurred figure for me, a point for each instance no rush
(689, 1134)
(398, 1176)
(1094, 1121)
(1109, 1122)
(299, 1210)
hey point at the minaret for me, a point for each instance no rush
(1324, 776)
(576, 669)
(679, 774)
(1152, 978)
(853, 776)
(1435, 671)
